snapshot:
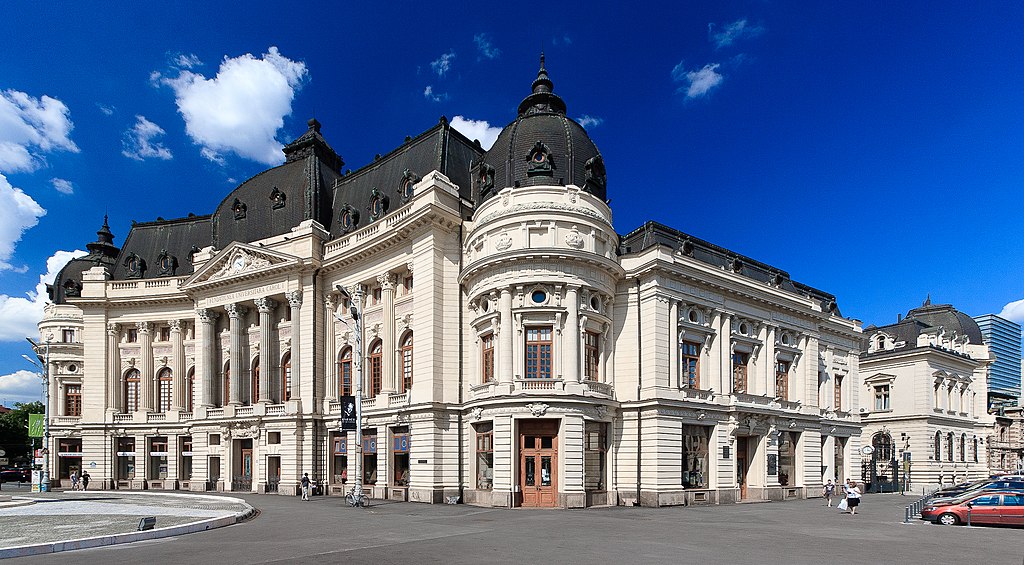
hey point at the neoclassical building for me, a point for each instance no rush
(924, 386)
(517, 351)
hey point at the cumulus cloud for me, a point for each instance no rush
(21, 386)
(484, 47)
(241, 109)
(696, 83)
(1014, 311)
(588, 121)
(429, 94)
(63, 186)
(477, 129)
(443, 64)
(730, 33)
(18, 212)
(20, 315)
(140, 143)
(30, 127)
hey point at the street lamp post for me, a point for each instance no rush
(45, 360)
(356, 311)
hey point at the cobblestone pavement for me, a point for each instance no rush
(62, 516)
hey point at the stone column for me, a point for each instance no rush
(236, 319)
(114, 399)
(178, 402)
(770, 361)
(725, 340)
(572, 336)
(146, 352)
(331, 353)
(207, 359)
(387, 334)
(295, 302)
(265, 307)
(507, 332)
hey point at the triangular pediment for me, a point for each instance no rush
(237, 262)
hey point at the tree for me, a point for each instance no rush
(14, 430)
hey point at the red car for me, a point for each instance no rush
(1002, 507)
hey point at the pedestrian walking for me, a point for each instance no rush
(74, 480)
(852, 496)
(307, 484)
(85, 480)
(828, 491)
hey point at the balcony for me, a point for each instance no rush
(753, 399)
(156, 417)
(121, 418)
(539, 385)
(697, 394)
(66, 420)
(215, 413)
(600, 388)
(244, 411)
(275, 410)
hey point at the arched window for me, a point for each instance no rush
(975, 450)
(345, 372)
(286, 377)
(255, 380)
(882, 442)
(164, 385)
(376, 370)
(880, 344)
(949, 447)
(226, 394)
(406, 351)
(963, 447)
(132, 381)
(938, 446)
(487, 357)
(190, 392)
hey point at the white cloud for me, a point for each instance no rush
(443, 63)
(699, 82)
(140, 143)
(477, 129)
(107, 110)
(19, 316)
(429, 94)
(20, 386)
(484, 47)
(29, 127)
(588, 121)
(242, 108)
(18, 212)
(733, 32)
(63, 186)
(1014, 311)
(186, 61)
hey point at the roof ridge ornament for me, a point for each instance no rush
(542, 96)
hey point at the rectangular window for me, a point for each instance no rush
(787, 458)
(376, 295)
(376, 374)
(881, 397)
(695, 462)
(370, 457)
(838, 391)
(739, 372)
(214, 439)
(407, 284)
(68, 336)
(125, 458)
(484, 456)
(538, 353)
(165, 334)
(132, 335)
(339, 453)
(165, 392)
(400, 456)
(782, 380)
(73, 400)
(591, 356)
(185, 466)
(346, 376)
(487, 358)
(213, 469)
(158, 458)
(689, 365)
(595, 448)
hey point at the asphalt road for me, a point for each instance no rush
(326, 531)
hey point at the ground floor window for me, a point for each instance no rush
(484, 456)
(840, 459)
(696, 440)
(400, 455)
(69, 451)
(185, 465)
(339, 458)
(787, 457)
(125, 458)
(213, 469)
(273, 473)
(370, 457)
(158, 458)
(595, 455)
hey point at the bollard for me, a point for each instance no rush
(906, 516)
(968, 515)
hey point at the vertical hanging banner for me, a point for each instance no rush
(348, 413)
(35, 425)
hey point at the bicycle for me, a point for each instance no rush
(355, 500)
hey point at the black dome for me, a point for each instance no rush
(950, 318)
(541, 147)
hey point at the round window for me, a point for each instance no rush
(485, 305)
(72, 368)
(693, 316)
(743, 329)
(595, 303)
(539, 296)
(539, 157)
(785, 339)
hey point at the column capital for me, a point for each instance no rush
(294, 298)
(386, 281)
(265, 304)
(206, 315)
(144, 327)
(236, 310)
(175, 325)
(113, 328)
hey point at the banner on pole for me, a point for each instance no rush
(348, 413)
(35, 425)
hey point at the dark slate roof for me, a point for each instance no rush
(928, 319)
(149, 240)
(68, 282)
(440, 148)
(654, 233)
(542, 119)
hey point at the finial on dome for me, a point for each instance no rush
(928, 300)
(542, 83)
(314, 125)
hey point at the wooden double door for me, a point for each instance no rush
(538, 464)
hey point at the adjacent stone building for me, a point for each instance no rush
(517, 351)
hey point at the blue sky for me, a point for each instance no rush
(871, 149)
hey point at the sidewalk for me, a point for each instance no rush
(31, 524)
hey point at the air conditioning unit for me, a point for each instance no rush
(863, 410)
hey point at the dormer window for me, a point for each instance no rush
(378, 205)
(277, 198)
(135, 266)
(168, 263)
(407, 184)
(239, 208)
(485, 179)
(349, 218)
(540, 162)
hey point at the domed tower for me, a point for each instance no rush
(540, 272)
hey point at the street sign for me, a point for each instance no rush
(35, 425)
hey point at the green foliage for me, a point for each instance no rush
(14, 429)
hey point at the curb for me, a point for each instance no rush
(130, 537)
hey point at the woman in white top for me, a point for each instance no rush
(852, 496)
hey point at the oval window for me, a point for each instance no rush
(346, 220)
(539, 296)
(595, 304)
(377, 207)
(785, 339)
(743, 329)
(693, 316)
(72, 368)
(485, 305)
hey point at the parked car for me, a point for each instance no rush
(988, 484)
(1005, 507)
(16, 476)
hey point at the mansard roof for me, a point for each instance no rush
(929, 319)
(652, 234)
(177, 238)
